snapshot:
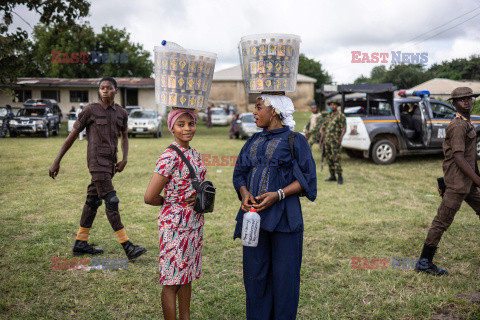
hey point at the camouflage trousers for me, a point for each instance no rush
(333, 152)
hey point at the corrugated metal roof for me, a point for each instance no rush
(235, 74)
(230, 74)
(87, 82)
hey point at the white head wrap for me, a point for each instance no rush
(283, 106)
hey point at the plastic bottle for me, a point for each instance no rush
(172, 45)
(251, 228)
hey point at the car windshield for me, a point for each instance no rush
(145, 114)
(31, 112)
(218, 112)
(248, 118)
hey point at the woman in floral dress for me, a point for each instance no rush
(180, 227)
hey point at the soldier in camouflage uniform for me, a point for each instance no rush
(312, 130)
(332, 133)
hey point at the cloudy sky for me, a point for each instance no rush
(330, 30)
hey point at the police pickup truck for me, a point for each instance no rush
(35, 120)
(379, 127)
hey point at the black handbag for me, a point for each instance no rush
(205, 191)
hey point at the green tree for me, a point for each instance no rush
(409, 75)
(378, 73)
(402, 75)
(15, 52)
(405, 76)
(313, 68)
(51, 40)
(110, 53)
(136, 61)
(457, 69)
(362, 79)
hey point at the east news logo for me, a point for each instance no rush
(395, 56)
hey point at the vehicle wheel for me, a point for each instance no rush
(384, 152)
(56, 131)
(478, 148)
(13, 134)
(354, 154)
(156, 134)
(46, 134)
(133, 135)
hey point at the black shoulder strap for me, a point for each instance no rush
(185, 160)
(291, 137)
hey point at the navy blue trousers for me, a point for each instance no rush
(271, 274)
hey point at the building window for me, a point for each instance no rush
(50, 94)
(132, 97)
(78, 96)
(22, 95)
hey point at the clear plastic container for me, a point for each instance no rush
(270, 62)
(183, 77)
(251, 228)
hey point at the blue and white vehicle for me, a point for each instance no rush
(379, 127)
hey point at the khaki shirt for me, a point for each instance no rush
(460, 136)
(104, 124)
(313, 120)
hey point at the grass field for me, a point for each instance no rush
(379, 213)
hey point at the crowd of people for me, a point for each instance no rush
(274, 168)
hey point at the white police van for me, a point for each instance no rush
(379, 127)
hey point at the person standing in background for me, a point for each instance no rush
(6, 121)
(333, 130)
(312, 130)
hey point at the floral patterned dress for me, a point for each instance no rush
(180, 227)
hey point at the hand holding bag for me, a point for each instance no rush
(205, 192)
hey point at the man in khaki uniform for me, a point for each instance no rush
(104, 122)
(460, 173)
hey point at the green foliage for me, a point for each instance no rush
(401, 75)
(15, 48)
(409, 75)
(476, 107)
(113, 40)
(458, 69)
(59, 31)
(312, 68)
(82, 39)
(77, 38)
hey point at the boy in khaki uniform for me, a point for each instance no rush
(104, 121)
(460, 173)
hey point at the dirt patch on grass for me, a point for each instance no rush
(449, 313)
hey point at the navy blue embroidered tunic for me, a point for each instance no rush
(264, 165)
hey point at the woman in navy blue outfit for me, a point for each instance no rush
(267, 178)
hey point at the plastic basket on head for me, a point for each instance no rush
(270, 62)
(183, 77)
